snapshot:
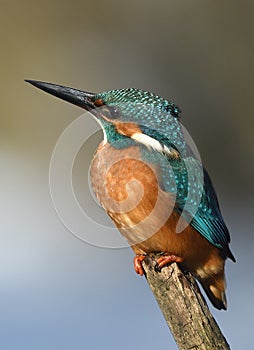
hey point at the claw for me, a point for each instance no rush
(138, 264)
(165, 260)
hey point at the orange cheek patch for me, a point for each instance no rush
(128, 129)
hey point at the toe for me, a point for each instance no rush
(138, 264)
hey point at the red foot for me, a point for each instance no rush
(138, 264)
(165, 260)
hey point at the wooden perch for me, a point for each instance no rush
(184, 308)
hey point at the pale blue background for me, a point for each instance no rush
(57, 292)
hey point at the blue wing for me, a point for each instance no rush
(198, 204)
(196, 199)
(208, 219)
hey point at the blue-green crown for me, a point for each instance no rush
(133, 95)
(155, 116)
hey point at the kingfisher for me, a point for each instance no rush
(153, 186)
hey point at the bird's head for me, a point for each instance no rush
(133, 114)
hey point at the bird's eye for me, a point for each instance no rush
(114, 112)
(111, 112)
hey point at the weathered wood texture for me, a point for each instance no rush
(184, 308)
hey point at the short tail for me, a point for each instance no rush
(217, 298)
(215, 290)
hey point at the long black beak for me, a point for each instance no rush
(79, 98)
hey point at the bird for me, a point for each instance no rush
(153, 186)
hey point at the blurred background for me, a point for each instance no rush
(55, 290)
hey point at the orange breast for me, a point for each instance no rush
(128, 189)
